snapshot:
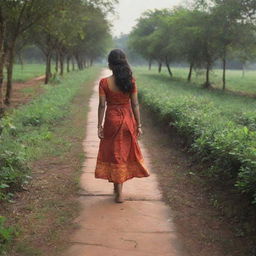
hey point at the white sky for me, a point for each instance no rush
(129, 10)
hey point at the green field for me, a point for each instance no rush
(235, 79)
(219, 126)
(230, 104)
(27, 71)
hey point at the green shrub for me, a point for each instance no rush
(228, 145)
(247, 119)
(6, 234)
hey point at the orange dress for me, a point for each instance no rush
(119, 156)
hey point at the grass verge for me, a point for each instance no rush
(52, 129)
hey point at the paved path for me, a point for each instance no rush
(141, 226)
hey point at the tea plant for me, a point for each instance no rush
(215, 132)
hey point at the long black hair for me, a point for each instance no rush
(121, 70)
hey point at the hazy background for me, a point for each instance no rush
(129, 10)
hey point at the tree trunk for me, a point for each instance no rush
(21, 61)
(91, 62)
(224, 73)
(1, 81)
(149, 64)
(61, 64)
(82, 63)
(159, 67)
(68, 60)
(48, 68)
(56, 62)
(207, 82)
(2, 55)
(8, 94)
(168, 66)
(73, 63)
(190, 71)
(243, 73)
(77, 61)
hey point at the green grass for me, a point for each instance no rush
(219, 126)
(229, 103)
(26, 129)
(235, 79)
(27, 71)
(32, 132)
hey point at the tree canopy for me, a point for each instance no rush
(212, 30)
(64, 30)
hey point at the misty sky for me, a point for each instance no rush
(129, 10)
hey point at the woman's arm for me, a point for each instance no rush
(101, 111)
(135, 108)
(136, 112)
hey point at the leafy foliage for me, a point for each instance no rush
(229, 147)
(6, 234)
(214, 31)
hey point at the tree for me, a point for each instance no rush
(20, 16)
(199, 36)
(93, 38)
(189, 37)
(245, 49)
(56, 27)
(2, 55)
(157, 36)
(140, 37)
(162, 45)
(230, 21)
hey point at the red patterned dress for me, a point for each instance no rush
(119, 156)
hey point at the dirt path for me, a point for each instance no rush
(203, 213)
(141, 226)
(23, 92)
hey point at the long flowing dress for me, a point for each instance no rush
(119, 156)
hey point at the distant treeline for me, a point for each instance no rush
(214, 33)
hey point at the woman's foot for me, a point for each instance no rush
(119, 199)
(115, 188)
(118, 193)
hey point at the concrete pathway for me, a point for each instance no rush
(141, 226)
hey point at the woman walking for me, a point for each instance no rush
(119, 156)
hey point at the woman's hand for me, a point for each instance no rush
(139, 132)
(100, 133)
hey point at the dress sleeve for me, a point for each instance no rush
(134, 89)
(101, 88)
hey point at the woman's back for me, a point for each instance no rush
(113, 95)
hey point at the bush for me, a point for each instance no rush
(228, 145)
(247, 119)
(6, 234)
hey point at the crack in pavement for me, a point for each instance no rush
(126, 199)
(116, 248)
(133, 241)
